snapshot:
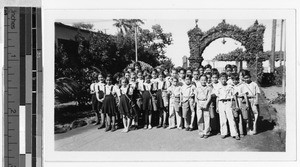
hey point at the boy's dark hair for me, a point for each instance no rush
(228, 66)
(246, 73)
(214, 70)
(215, 73)
(196, 70)
(200, 67)
(182, 69)
(223, 74)
(203, 76)
(189, 68)
(175, 78)
(233, 66)
(241, 71)
(208, 73)
(208, 66)
(189, 77)
(139, 71)
(234, 76)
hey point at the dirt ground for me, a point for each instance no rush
(89, 138)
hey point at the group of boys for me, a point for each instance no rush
(215, 100)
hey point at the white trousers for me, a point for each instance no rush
(225, 113)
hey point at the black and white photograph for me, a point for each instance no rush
(170, 85)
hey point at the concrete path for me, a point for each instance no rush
(89, 138)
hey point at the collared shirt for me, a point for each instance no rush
(175, 91)
(230, 82)
(197, 83)
(215, 87)
(237, 89)
(225, 92)
(202, 92)
(181, 82)
(252, 89)
(187, 91)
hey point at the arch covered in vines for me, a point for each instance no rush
(251, 39)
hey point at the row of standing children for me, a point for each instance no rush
(177, 100)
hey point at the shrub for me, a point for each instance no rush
(278, 75)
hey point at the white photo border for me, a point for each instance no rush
(50, 16)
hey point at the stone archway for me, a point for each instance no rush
(251, 39)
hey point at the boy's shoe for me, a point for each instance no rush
(252, 133)
(205, 136)
(223, 136)
(159, 126)
(191, 129)
(145, 127)
(149, 127)
(171, 127)
(201, 135)
(187, 129)
(242, 136)
(180, 127)
(237, 138)
(107, 128)
(101, 126)
(133, 127)
(165, 126)
(113, 128)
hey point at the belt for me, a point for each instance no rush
(225, 100)
(201, 99)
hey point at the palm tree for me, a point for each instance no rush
(125, 25)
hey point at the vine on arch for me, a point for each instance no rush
(251, 39)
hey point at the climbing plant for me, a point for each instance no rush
(251, 39)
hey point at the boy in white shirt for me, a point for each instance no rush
(224, 107)
(252, 91)
(188, 102)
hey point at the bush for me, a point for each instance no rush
(67, 113)
(267, 79)
(278, 74)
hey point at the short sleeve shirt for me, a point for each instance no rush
(202, 92)
(225, 92)
(252, 89)
(175, 91)
(187, 91)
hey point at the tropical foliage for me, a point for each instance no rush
(239, 55)
(105, 53)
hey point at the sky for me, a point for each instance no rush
(179, 29)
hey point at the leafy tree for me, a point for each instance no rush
(126, 25)
(106, 53)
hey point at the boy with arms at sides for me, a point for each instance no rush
(240, 117)
(224, 108)
(188, 102)
(174, 104)
(202, 96)
(252, 91)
